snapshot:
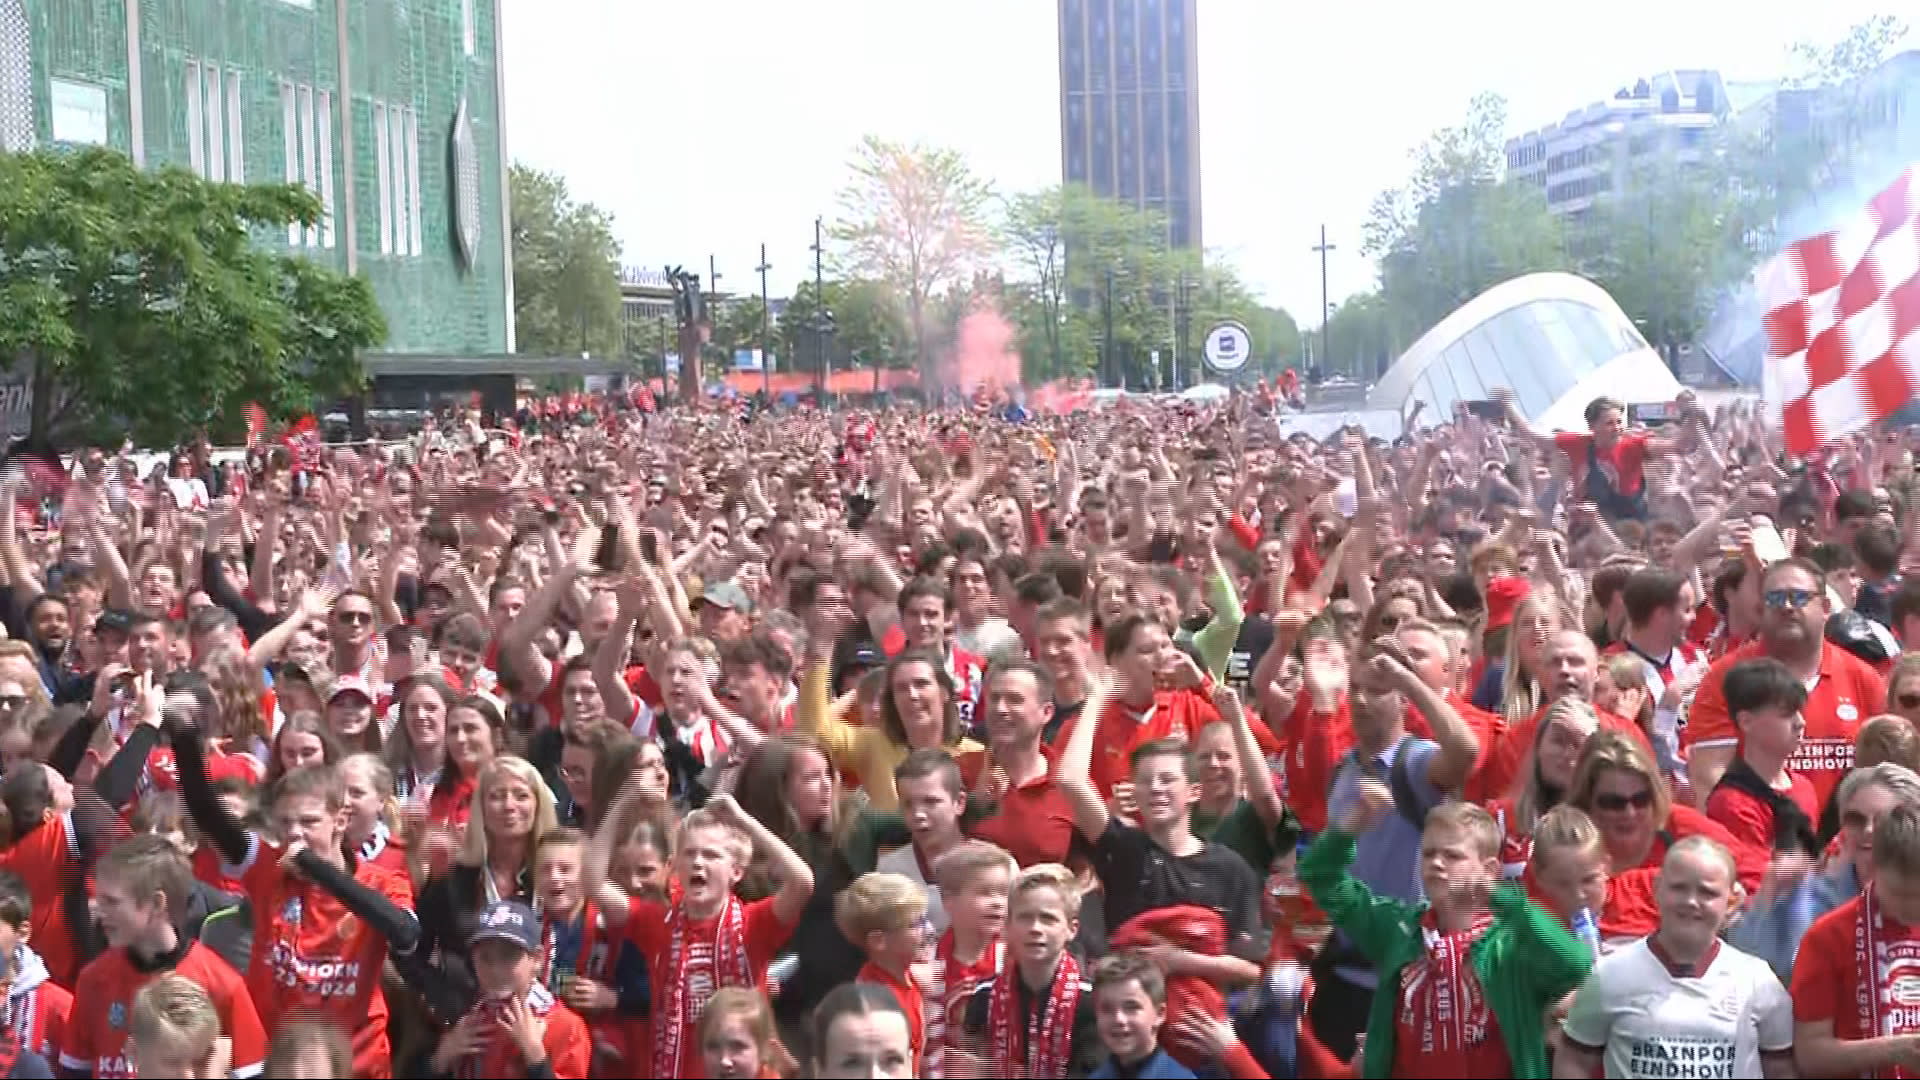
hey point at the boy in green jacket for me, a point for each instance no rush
(1464, 979)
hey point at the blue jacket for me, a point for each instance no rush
(1773, 933)
(1157, 1067)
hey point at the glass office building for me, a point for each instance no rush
(1557, 340)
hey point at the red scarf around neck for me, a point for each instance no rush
(731, 967)
(1886, 962)
(1040, 1047)
(1441, 996)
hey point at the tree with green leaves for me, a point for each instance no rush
(870, 329)
(140, 302)
(566, 270)
(1669, 242)
(1817, 157)
(914, 218)
(1459, 226)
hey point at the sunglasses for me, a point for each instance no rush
(353, 616)
(1782, 599)
(1639, 800)
(1905, 701)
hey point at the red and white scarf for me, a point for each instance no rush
(731, 967)
(940, 997)
(1887, 964)
(1023, 1045)
(1440, 996)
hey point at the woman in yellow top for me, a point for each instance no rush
(918, 711)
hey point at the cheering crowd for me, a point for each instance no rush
(1148, 741)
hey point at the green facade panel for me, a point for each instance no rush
(410, 55)
(83, 41)
(415, 54)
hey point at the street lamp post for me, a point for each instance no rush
(824, 320)
(1106, 343)
(766, 354)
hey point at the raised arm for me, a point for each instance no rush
(795, 876)
(1073, 773)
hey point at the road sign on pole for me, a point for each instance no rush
(1228, 347)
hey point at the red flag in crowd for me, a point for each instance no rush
(1843, 321)
(256, 422)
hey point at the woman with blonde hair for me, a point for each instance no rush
(1520, 675)
(512, 810)
(240, 691)
(1617, 784)
(1546, 776)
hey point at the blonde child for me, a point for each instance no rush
(310, 1050)
(975, 877)
(736, 1036)
(1058, 1036)
(885, 916)
(707, 938)
(173, 1030)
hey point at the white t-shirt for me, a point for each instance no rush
(1650, 1024)
(903, 861)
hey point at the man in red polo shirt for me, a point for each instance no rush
(1842, 690)
(1031, 818)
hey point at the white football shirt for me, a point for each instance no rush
(1651, 1024)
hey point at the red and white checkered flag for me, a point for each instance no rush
(1843, 321)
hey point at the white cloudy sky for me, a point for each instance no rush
(710, 126)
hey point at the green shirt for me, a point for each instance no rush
(1241, 830)
(1525, 961)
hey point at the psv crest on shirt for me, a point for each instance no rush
(117, 1016)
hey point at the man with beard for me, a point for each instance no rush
(1842, 689)
(49, 630)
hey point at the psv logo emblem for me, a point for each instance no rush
(1906, 991)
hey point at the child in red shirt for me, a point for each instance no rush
(1768, 808)
(707, 938)
(885, 916)
(324, 921)
(140, 894)
(975, 878)
(516, 1027)
(36, 1007)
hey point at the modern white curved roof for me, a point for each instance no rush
(1557, 340)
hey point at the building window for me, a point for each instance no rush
(308, 145)
(396, 152)
(196, 124)
(383, 175)
(413, 180)
(323, 115)
(16, 78)
(236, 147)
(216, 149)
(469, 34)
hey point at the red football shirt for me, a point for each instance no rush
(97, 1029)
(647, 929)
(1175, 714)
(1750, 819)
(1624, 463)
(1847, 690)
(1826, 972)
(314, 958)
(43, 858)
